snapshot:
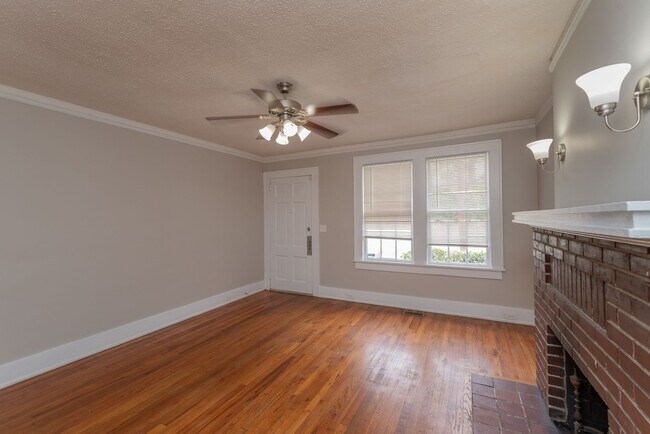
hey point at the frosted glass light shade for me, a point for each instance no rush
(603, 85)
(267, 132)
(282, 139)
(289, 129)
(303, 133)
(540, 148)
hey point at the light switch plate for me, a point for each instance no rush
(323, 228)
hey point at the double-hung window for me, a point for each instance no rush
(431, 211)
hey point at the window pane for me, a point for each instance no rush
(457, 208)
(373, 248)
(458, 255)
(388, 249)
(404, 250)
(477, 255)
(387, 204)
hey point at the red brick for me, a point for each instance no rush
(575, 247)
(555, 381)
(599, 308)
(640, 266)
(623, 341)
(636, 373)
(642, 356)
(632, 284)
(604, 273)
(619, 298)
(614, 428)
(554, 370)
(642, 399)
(616, 258)
(558, 392)
(611, 313)
(641, 311)
(640, 420)
(604, 342)
(633, 248)
(555, 401)
(593, 252)
(634, 328)
(555, 361)
(623, 419)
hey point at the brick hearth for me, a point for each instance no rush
(592, 298)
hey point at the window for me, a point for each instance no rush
(431, 211)
(387, 211)
(457, 209)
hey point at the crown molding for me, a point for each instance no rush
(572, 24)
(543, 110)
(45, 102)
(408, 141)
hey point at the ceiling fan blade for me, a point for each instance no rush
(320, 130)
(225, 118)
(265, 95)
(341, 109)
(273, 136)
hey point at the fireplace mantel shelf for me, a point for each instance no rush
(627, 220)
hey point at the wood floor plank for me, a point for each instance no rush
(277, 362)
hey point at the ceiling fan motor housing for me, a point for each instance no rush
(286, 108)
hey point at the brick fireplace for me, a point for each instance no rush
(592, 308)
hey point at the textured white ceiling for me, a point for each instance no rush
(412, 67)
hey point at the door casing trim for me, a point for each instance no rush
(315, 222)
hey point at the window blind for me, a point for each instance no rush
(457, 200)
(387, 201)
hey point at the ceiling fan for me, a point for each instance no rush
(291, 118)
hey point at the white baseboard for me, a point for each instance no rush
(35, 364)
(492, 312)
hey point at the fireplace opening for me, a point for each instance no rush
(586, 412)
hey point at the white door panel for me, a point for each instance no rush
(290, 202)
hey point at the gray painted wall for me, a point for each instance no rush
(337, 245)
(101, 226)
(602, 166)
(545, 181)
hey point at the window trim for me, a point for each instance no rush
(420, 265)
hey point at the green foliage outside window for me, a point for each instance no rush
(440, 255)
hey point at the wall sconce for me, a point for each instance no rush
(603, 87)
(541, 149)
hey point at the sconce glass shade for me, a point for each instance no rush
(282, 139)
(303, 133)
(540, 148)
(603, 85)
(267, 132)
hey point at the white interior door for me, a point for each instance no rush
(290, 228)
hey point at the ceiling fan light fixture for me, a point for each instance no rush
(289, 128)
(282, 139)
(303, 133)
(267, 132)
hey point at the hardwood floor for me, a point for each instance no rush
(276, 362)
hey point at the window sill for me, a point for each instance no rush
(440, 270)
